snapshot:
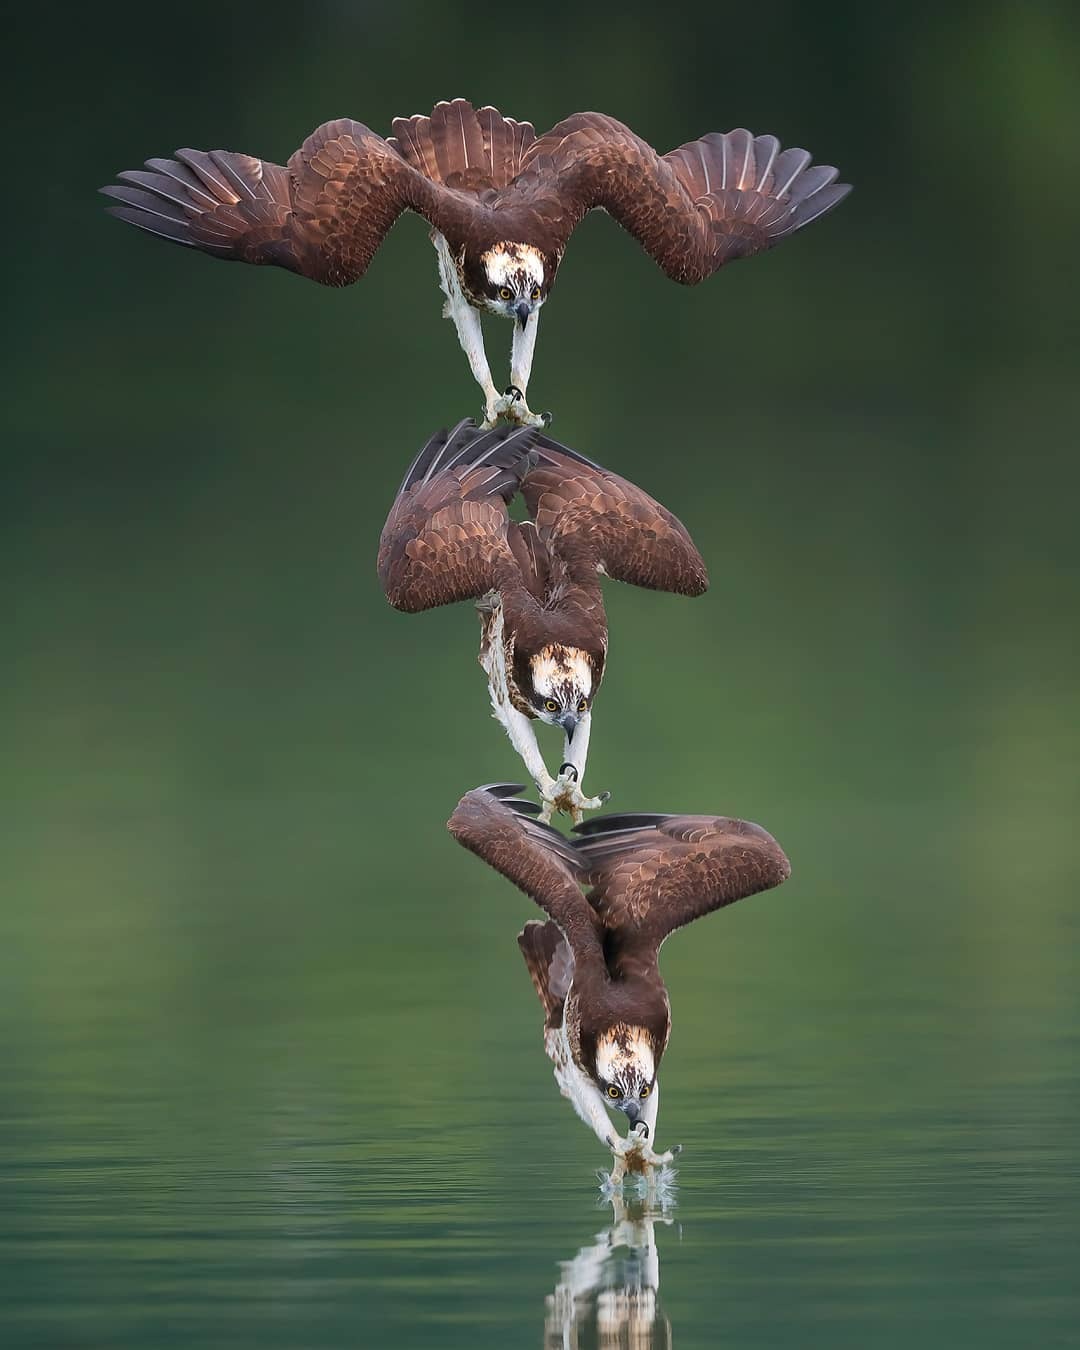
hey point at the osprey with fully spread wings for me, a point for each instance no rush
(449, 537)
(502, 203)
(595, 962)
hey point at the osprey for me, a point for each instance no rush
(594, 963)
(449, 537)
(501, 201)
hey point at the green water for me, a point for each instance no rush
(271, 1071)
(252, 1097)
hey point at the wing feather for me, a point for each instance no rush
(445, 538)
(525, 853)
(323, 217)
(581, 507)
(653, 874)
(721, 197)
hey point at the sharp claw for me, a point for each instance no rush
(603, 797)
(572, 768)
(512, 391)
(545, 419)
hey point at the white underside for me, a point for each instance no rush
(582, 1093)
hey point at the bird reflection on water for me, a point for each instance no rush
(608, 1295)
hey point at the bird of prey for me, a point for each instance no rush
(594, 962)
(501, 201)
(449, 537)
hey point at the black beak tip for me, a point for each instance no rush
(523, 313)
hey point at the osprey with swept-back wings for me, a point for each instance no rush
(595, 962)
(449, 537)
(501, 201)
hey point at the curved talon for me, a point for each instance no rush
(568, 766)
(545, 419)
(512, 391)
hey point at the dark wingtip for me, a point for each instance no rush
(521, 807)
(626, 820)
(501, 790)
(546, 442)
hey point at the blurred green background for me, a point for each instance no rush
(271, 1067)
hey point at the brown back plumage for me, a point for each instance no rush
(582, 508)
(652, 874)
(648, 874)
(449, 536)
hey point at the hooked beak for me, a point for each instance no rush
(633, 1112)
(569, 725)
(522, 310)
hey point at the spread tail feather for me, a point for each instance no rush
(463, 148)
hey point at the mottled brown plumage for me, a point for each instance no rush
(480, 179)
(646, 875)
(449, 537)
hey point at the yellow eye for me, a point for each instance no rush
(613, 1092)
(645, 1090)
(583, 706)
(551, 705)
(505, 292)
(536, 293)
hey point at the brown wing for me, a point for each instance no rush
(579, 506)
(652, 874)
(536, 858)
(550, 964)
(445, 538)
(323, 217)
(462, 147)
(708, 202)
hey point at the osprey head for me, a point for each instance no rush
(514, 280)
(626, 1069)
(561, 680)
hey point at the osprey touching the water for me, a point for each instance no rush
(449, 537)
(501, 201)
(594, 963)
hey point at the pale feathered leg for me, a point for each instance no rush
(572, 773)
(521, 359)
(644, 1132)
(467, 322)
(581, 1092)
(522, 737)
